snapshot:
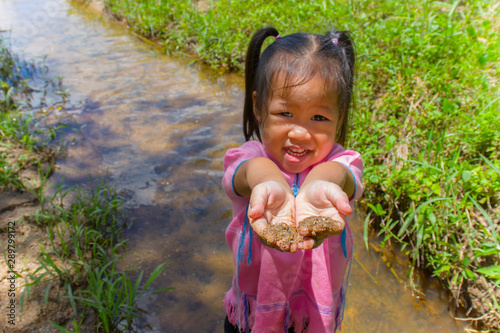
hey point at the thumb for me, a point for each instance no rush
(258, 201)
(339, 199)
(255, 210)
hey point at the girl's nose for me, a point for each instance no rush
(299, 133)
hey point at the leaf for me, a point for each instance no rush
(453, 7)
(469, 274)
(466, 175)
(408, 71)
(444, 268)
(377, 209)
(432, 218)
(365, 230)
(493, 166)
(447, 106)
(61, 329)
(390, 141)
(488, 219)
(162, 290)
(471, 31)
(420, 235)
(483, 59)
(490, 271)
(415, 212)
(436, 189)
(155, 274)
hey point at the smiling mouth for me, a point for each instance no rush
(296, 152)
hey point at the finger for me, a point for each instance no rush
(318, 242)
(266, 243)
(306, 244)
(340, 200)
(255, 210)
(258, 202)
(259, 225)
(269, 239)
(283, 247)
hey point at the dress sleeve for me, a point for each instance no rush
(352, 160)
(233, 160)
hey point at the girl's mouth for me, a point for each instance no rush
(296, 152)
(295, 155)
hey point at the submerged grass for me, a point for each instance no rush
(427, 118)
(85, 242)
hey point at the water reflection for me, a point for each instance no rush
(158, 130)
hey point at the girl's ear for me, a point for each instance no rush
(255, 112)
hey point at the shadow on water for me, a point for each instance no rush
(158, 129)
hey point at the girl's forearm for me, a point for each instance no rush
(255, 171)
(334, 172)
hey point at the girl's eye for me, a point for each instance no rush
(286, 114)
(318, 118)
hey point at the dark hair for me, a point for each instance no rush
(297, 58)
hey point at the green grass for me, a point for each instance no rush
(25, 139)
(86, 249)
(426, 121)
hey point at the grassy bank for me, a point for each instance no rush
(426, 118)
(65, 247)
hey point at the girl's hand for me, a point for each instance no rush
(271, 203)
(320, 198)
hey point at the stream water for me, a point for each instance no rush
(157, 128)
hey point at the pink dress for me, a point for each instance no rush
(273, 290)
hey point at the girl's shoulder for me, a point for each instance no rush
(350, 158)
(232, 161)
(249, 149)
(339, 151)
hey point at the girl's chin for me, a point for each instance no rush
(295, 164)
(294, 170)
(295, 167)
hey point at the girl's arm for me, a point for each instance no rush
(255, 171)
(271, 198)
(333, 172)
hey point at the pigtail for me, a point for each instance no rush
(340, 45)
(250, 123)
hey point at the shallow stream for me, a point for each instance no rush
(157, 128)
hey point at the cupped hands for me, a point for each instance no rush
(272, 203)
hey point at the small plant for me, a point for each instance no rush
(86, 248)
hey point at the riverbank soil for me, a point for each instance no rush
(21, 240)
(480, 296)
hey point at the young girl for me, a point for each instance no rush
(297, 100)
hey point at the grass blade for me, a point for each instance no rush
(415, 212)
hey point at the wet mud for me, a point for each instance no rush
(321, 225)
(281, 234)
(284, 235)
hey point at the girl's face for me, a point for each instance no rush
(299, 128)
